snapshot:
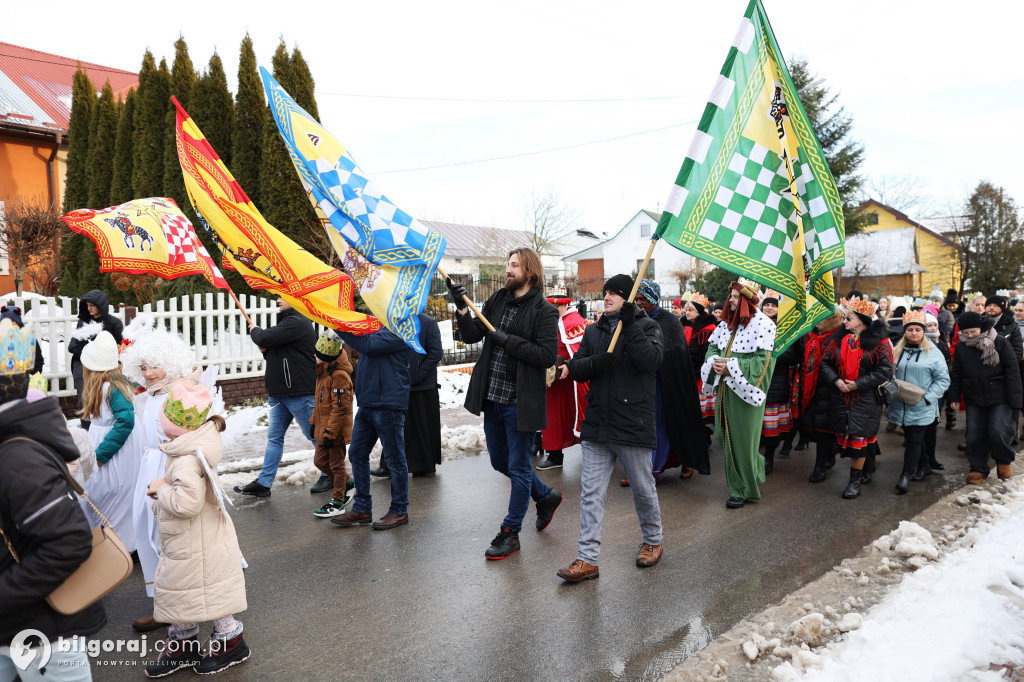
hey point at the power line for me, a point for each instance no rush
(504, 101)
(539, 151)
(89, 66)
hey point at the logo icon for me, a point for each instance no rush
(23, 655)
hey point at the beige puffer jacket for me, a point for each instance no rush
(199, 577)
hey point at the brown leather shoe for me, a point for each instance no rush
(390, 520)
(1004, 471)
(624, 482)
(577, 571)
(975, 478)
(146, 623)
(686, 473)
(352, 518)
(649, 555)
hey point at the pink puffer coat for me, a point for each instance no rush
(199, 577)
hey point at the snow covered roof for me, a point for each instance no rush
(468, 241)
(882, 252)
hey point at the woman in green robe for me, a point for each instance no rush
(739, 365)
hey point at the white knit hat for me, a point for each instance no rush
(100, 354)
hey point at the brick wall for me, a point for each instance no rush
(239, 390)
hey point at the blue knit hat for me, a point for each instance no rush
(650, 290)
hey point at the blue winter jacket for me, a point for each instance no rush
(382, 378)
(927, 370)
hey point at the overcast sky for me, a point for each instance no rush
(936, 89)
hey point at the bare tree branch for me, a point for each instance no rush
(547, 218)
(30, 232)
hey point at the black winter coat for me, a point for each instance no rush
(817, 413)
(858, 414)
(423, 367)
(288, 351)
(110, 323)
(779, 390)
(1008, 328)
(983, 385)
(43, 521)
(620, 404)
(532, 346)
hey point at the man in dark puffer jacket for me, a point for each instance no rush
(42, 524)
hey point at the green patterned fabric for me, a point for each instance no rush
(754, 194)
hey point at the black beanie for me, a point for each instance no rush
(951, 297)
(969, 320)
(1000, 301)
(619, 284)
(770, 299)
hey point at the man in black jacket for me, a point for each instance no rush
(42, 524)
(619, 423)
(998, 308)
(290, 376)
(508, 385)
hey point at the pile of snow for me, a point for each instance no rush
(452, 392)
(242, 421)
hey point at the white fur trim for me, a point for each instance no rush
(87, 331)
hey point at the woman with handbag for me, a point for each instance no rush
(921, 379)
(44, 535)
(985, 372)
(854, 368)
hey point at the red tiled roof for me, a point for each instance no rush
(35, 87)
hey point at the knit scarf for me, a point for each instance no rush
(986, 342)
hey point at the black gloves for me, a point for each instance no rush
(328, 443)
(627, 314)
(458, 292)
(499, 337)
(602, 363)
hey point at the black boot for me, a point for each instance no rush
(868, 470)
(552, 460)
(853, 487)
(936, 465)
(903, 485)
(922, 471)
(787, 445)
(769, 460)
(176, 654)
(819, 473)
(950, 421)
(802, 443)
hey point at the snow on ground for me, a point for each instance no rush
(945, 604)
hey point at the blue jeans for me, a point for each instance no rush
(63, 666)
(510, 451)
(388, 425)
(282, 410)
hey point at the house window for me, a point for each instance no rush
(650, 267)
(645, 230)
(871, 219)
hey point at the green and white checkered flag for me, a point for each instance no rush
(755, 195)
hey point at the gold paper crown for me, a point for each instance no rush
(17, 348)
(329, 345)
(915, 317)
(749, 288)
(38, 382)
(700, 299)
(863, 307)
(771, 293)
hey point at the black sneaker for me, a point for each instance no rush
(332, 508)
(549, 462)
(504, 545)
(177, 654)
(324, 484)
(546, 507)
(223, 654)
(255, 489)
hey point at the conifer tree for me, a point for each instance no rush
(247, 132)
(183, 82)
(149, 121)
(103, 133)
(285, 204)
(121, 181)
(76, 188)
(212, 108)
(302, 86)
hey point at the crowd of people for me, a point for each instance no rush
(645, 385)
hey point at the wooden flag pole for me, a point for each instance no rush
(468, 302)
(632, 294)
(240, 308)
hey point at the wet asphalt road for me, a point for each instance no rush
(420, 602)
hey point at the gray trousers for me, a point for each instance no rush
(598, 464)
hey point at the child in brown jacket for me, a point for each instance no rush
(332, 419)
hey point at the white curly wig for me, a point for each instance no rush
(158, 348)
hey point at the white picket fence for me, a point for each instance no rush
(210, 323)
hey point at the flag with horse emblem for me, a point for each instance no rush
(146, 236)
(267, 259)
(755, 194)
(391, 255)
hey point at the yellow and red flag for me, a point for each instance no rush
(265, 257)
(146, 236)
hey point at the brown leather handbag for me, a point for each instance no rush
(107, 566)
